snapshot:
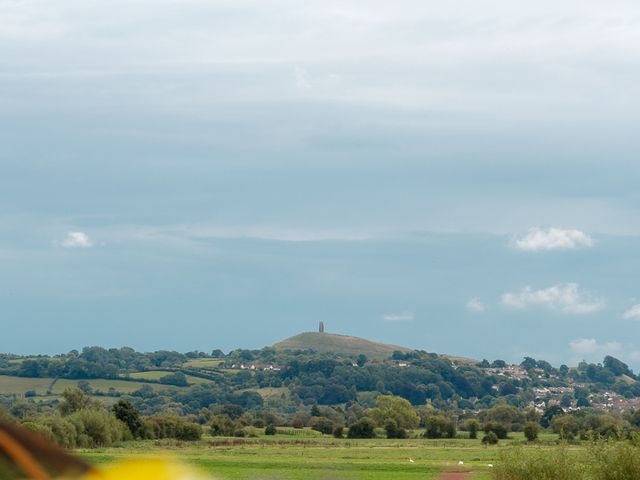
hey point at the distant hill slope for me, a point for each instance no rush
(338, 344)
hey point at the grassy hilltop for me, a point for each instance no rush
(338, 344)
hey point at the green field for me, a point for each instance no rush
(204, 363)
(158, 374)
(20, 385)
(309, 457)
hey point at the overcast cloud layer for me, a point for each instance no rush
(420, 173)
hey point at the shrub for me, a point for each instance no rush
(270, 430)
(338, 431)
(535, 464)
(322, 425)
(222, 425)
(498, 428)
(178, 379)
(363, 428)
(189, 431)
(439, 427)
(490, 438)
(472, 427)
(531, 430)
(393, 431)
(172, 426)
(127, 414)
(98, 427)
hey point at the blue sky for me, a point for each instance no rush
(460, 178)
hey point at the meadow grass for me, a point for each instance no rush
(158, 374)
(308, 456)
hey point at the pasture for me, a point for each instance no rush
(156, 375)
(21, 385)
(307, 456)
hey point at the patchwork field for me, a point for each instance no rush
(20, 385)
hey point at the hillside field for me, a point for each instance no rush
(21, 385)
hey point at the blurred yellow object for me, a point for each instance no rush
(147, 469)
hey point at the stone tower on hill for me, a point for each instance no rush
(321, 327)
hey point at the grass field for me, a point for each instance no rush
(158, 374)
(286, 458)
(20, 385)
(205, 363)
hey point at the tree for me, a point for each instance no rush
(490, 439)
(389, 407)
(393, 431)
(338, 431)
(361, 360)
(270, 430)
(178, 379)
(531, 430)
(439, 427)
(127, 414)
(74, 400)
(472, 427)
(322, 425)
(222, 425)
(363, 428)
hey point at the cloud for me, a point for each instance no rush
(632, 313)
(475, 306)
(405, 316)
(590, 349)
(301, 78)
(566, 298)
(590, 346)
(77, 240)
(552, 239)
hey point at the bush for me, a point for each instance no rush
(189, 432)
(535, 464)
(531, 430)
(322, 425)
(363, 428)
(172, 426)
(498, 428)
(270, 430)
(490, 439)
(178, 379)
(472, 427)
(98, 428)
(127, 414)
(222, 425)
(338, 431)
(393, 431)
(439, 427)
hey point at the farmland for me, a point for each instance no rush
(307, 456)
(51, 386)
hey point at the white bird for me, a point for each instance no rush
(460, 462)
(411, 460)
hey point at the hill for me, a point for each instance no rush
(338, 344)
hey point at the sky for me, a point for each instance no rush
(459, 177)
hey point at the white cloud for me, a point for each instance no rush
(589, 349)
(301, 78)
(399, 317)
(552, 239)
(475, 306)
(590, 346)
(77, 240)
(632, 313)
(566, 298)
